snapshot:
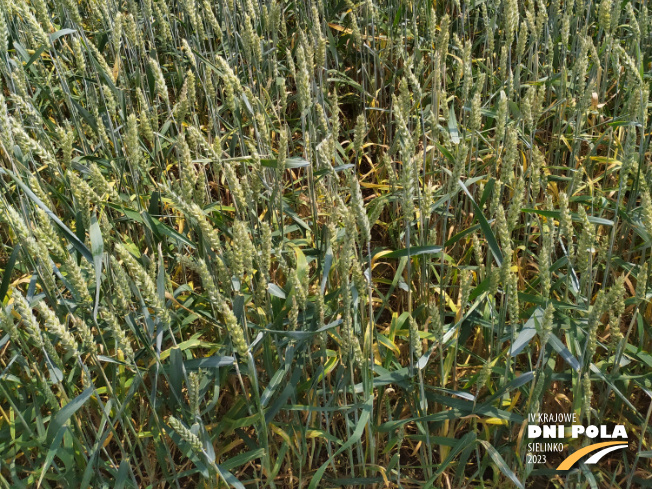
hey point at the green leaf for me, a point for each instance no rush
(576, 217)
(500, 462)
(66, 412)
(527, 333)
(564, 352)
(52, 452)
(414, 251)
(97, 248)
(468, 407)
(289, 163)
(454, 239)
(354, 482)
(328, 263)
(514, 384)
(36, 56)
(276, 291)
(163, 229)
(395, 377)
(353, 439)
(486, 228)
(6, 277)
(56, 35)
(452, 125)
(130, 213)
(440, 416)
(56, 428)
(299, 335)
(87, 116)
(488, 189)
(123, 472)
(466, 441)
(74, 240)
(242, 459)
(215, 361)
(272, 386)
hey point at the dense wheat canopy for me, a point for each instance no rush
(268, 243)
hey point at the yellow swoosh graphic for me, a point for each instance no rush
(571, 459)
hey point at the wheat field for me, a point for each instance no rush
(281, 244)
